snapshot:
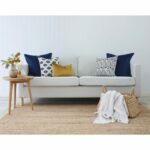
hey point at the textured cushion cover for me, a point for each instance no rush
(59, 70)
(108, 81)
(33, 63)
(46, 65)
(123, 64)
(70, 60)
(106, 66)
(55, 81)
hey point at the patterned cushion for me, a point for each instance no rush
(46, 65)
(106, 66)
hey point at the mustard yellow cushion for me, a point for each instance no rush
(59, 70)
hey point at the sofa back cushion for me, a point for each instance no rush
(70, 60)
(87, 66)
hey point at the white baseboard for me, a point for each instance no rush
(3, 113)
(145, 94)
(145, 99)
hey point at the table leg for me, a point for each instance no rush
(10, 96)
(15, 95)
(22, 101)
(30, 94)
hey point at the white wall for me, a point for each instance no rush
(77, 36)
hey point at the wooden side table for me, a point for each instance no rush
(13, 83)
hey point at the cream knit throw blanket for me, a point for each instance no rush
(112, 108)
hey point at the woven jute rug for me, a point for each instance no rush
(68, 119)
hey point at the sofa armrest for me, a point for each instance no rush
(24, 69)
(136, 73)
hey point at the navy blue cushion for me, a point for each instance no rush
(123, 64)
(33, 63)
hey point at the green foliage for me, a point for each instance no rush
(13, 59)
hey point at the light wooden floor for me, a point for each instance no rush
(4, 102)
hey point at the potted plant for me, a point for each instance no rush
(11, 62)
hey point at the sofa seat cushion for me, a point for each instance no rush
(108, 81)
(55, 81)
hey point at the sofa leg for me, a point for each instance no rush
(22, 101)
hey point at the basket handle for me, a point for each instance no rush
(103, 89)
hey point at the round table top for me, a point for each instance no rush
(18, 79)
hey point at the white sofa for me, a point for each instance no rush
(84, 84)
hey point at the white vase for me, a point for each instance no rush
(13, 71)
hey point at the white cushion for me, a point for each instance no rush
(55, 81)
(108, 81)
(87, 66)
(72, 60)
